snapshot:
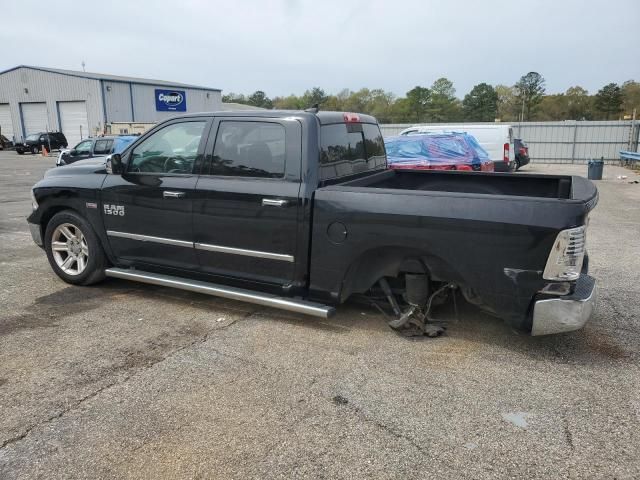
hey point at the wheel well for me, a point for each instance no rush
(374, 264)
(48, 215)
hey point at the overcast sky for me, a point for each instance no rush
(287, 46)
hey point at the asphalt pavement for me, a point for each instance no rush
(123, 380)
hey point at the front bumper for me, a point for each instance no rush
(566, 313)
(36, 234)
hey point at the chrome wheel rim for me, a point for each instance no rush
(70, 249)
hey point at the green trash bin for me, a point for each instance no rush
(595, 169)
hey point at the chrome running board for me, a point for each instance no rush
(266, 299)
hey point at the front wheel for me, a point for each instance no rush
(73, 249)
(34, 150)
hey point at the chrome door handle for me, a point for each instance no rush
(169, 194)
(272, 202)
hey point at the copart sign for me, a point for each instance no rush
(171, 101)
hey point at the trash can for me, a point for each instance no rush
(595, 169)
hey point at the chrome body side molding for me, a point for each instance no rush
(147, 238)
(241, 251)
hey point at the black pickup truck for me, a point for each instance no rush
(297, 210)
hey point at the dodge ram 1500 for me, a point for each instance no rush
(297, 210)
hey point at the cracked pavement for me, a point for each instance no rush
(124, 380)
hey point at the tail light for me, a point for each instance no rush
(523, 151)
(505, 152)
(351, 117)
(465, 168)
(567, 255)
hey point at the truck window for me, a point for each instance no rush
(249, 149)
(350, 148)
(102, 147)
(173, 149)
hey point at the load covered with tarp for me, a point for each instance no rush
(437, 151)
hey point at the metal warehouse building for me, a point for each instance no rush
(81, 104)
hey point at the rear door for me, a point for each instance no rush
(147, 210)
(246, 210)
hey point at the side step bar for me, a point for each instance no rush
(266, 299)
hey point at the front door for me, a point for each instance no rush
(247, 200)
(148, 209)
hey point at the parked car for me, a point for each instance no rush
(522, 152)
(437, 151)
(297, 210)
(5, 143)
(496, 139)
(34, 142)
(94, 147)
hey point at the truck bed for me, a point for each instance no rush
(521, 185)
(455, 224)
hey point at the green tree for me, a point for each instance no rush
(481, 104)
(259, 99)
(506, 102)
(552, 107)
(609, 100)
(443, 105)
(579, 104)
(631, 97)
(313, 96)
(418, 99)
(234, 98)
(529, 92)
(291, 102)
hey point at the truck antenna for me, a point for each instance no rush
(313, 108)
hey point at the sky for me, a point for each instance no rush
(288, 46)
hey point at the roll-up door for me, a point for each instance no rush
(73, 120)
(6, 126)
(34, 117)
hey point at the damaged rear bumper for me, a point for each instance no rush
(566, 313)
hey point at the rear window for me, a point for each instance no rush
(350, 148)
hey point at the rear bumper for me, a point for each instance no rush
(36, 234)
(501, 166)
(566, 313)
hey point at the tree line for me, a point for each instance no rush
(526, 100)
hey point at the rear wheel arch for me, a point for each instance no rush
(392, 261)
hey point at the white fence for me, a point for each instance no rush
(568, 141)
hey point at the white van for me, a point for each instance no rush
(497, 140)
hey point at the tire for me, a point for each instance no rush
(73, 249)
(34, 150)
(20, 152)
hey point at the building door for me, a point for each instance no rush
(34, 118)
(6, 126)
(73, 121)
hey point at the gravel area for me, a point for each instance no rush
(123, 380)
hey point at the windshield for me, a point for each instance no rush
(350, 148)
(121, 143)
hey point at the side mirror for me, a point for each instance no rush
(114, 164)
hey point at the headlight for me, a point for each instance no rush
(567, 255)
(34, 202)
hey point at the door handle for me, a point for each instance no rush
(272, 202)
(169, 194)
